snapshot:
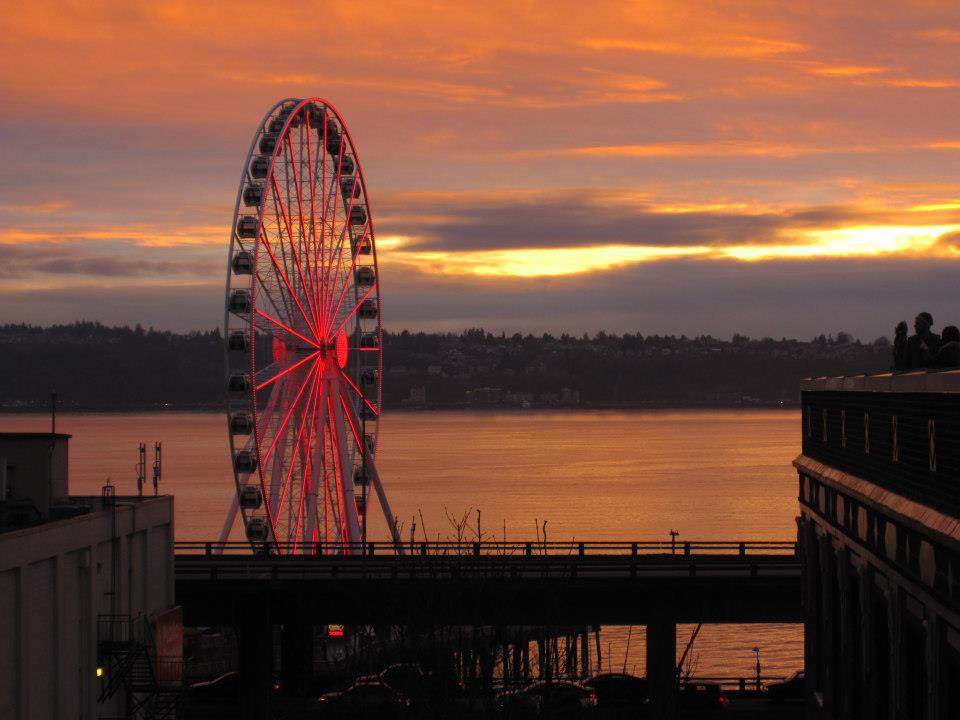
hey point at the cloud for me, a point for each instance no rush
(742, 46)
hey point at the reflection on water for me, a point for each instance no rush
(715, 474)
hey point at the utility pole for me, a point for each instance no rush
(141, 467)
(53, 412)
(156, 468)
(756, 652)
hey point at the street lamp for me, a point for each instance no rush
(756, 651)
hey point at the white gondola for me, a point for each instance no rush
(257, 530)
(358, 216)
(247, 226)
(237, 341)
(243, 263)
(245, 462)
(260, 167)
(368, 310)
(250, 497)
(238, 384)
(252, 195)
(240, 302)
(241, 424)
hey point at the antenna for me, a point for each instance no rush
(141, 468)
(156, 467)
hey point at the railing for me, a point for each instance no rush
(492, 548)
(735, 684)
(905, 442)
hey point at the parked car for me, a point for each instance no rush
(790, 690)
(226, 686)
(703, 696)
(407, 678)
(560, 699)
(369, 698)
(620, 691)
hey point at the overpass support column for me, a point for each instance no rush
(256, 658)
(662, 661)
(296, 659)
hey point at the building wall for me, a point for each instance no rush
(881, 600)
(36, 467)
(55, 580)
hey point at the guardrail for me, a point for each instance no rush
(689, 548)
(736, 684)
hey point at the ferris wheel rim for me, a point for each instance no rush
(292, 108)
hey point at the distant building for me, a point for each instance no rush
(88, 626)
(485, 396)
(569, 397)
(879, 534)
(434, 370)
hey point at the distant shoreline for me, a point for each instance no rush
(208, 410)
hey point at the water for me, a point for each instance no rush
(715, 474)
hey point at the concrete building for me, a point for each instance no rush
(879, 532)
(88, 626)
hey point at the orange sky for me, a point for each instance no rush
(761, 167)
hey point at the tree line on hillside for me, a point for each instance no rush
(96, 367)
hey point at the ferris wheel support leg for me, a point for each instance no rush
(374, 477)
(228, 523)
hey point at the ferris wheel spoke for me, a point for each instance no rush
(311, 292)
(336, 473)
(317, 474)
(346, 229)
(286, 282)
(286, 371)
(293, 455)
(293, 251)
(373, 476)
(359, 392)
(334, 194)
(344, 479)
(308, 381)
(348, 278)
(287, 271)
(353, 310)
(285, 327)
(308, 494)
(266, 290)
(317, 258)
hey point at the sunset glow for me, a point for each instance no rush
(733, 141)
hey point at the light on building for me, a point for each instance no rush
(99, 671)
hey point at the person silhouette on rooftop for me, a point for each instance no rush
(923, 346)
(949, 353)
(901, 351)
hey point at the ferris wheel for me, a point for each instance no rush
(303, 337)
